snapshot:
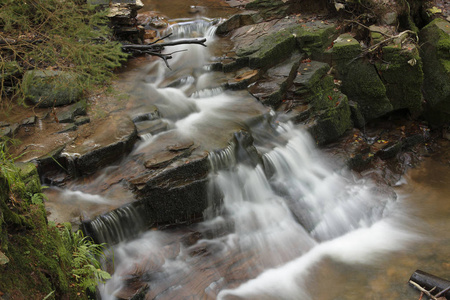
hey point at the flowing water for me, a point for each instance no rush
(291, 225)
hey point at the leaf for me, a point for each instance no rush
(434, 10)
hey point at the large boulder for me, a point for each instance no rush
(402, 75)
(46, 88)
(360, 79)
(435, 52)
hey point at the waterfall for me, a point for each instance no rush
(283, 209)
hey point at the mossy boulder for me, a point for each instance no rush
(46, 88)
(435, 53)
(402, 75)
(331, 123)
(360, 79)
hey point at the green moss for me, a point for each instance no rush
(346, 47)
(275, 48)
(435, 40)
(331, 123)
(401, 72)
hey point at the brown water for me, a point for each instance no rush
(190, 8)
(426, 200)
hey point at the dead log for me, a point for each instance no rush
(431, 285)
(156, 48)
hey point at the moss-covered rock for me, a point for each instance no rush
(435, 41)
(273, 49)
(331, 123)
(51, 88)
(313, 38)
(360, 80)
(402, 75)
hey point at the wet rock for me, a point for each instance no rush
(402, 75)
(151, 19)
(67, 114)
(151, 113)
(68, 128)
(390, 150)
(82, 120)
(271, 89)
(50, 88)
(243, 78)
(112, 140)
(237, 21)
(151, 127)
(435, 41)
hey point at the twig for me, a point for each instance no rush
(373, 47)
(422, 290)
(443, 292)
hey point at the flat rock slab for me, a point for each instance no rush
(111, 140)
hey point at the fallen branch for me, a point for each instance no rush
(377, 45)
(417, 286)
(155, 48)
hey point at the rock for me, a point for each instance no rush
(82, 120)
(357, 117)
(390, 18)
(67, 114)
(151, 127)
(237, 21)
(112, 139)
(402, 75)
(314, 38)
(271, 89)
(45, 88)
(243, 78)
(29, 121)
(309, 74)
(360, 80)
(68, 128)
(435, 49)
(329, 124)
(269, 8)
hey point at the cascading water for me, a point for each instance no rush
(284, 209)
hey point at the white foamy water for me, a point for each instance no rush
(279, 218)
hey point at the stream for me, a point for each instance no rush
(292, 225)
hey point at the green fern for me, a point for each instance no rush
(87, 256)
